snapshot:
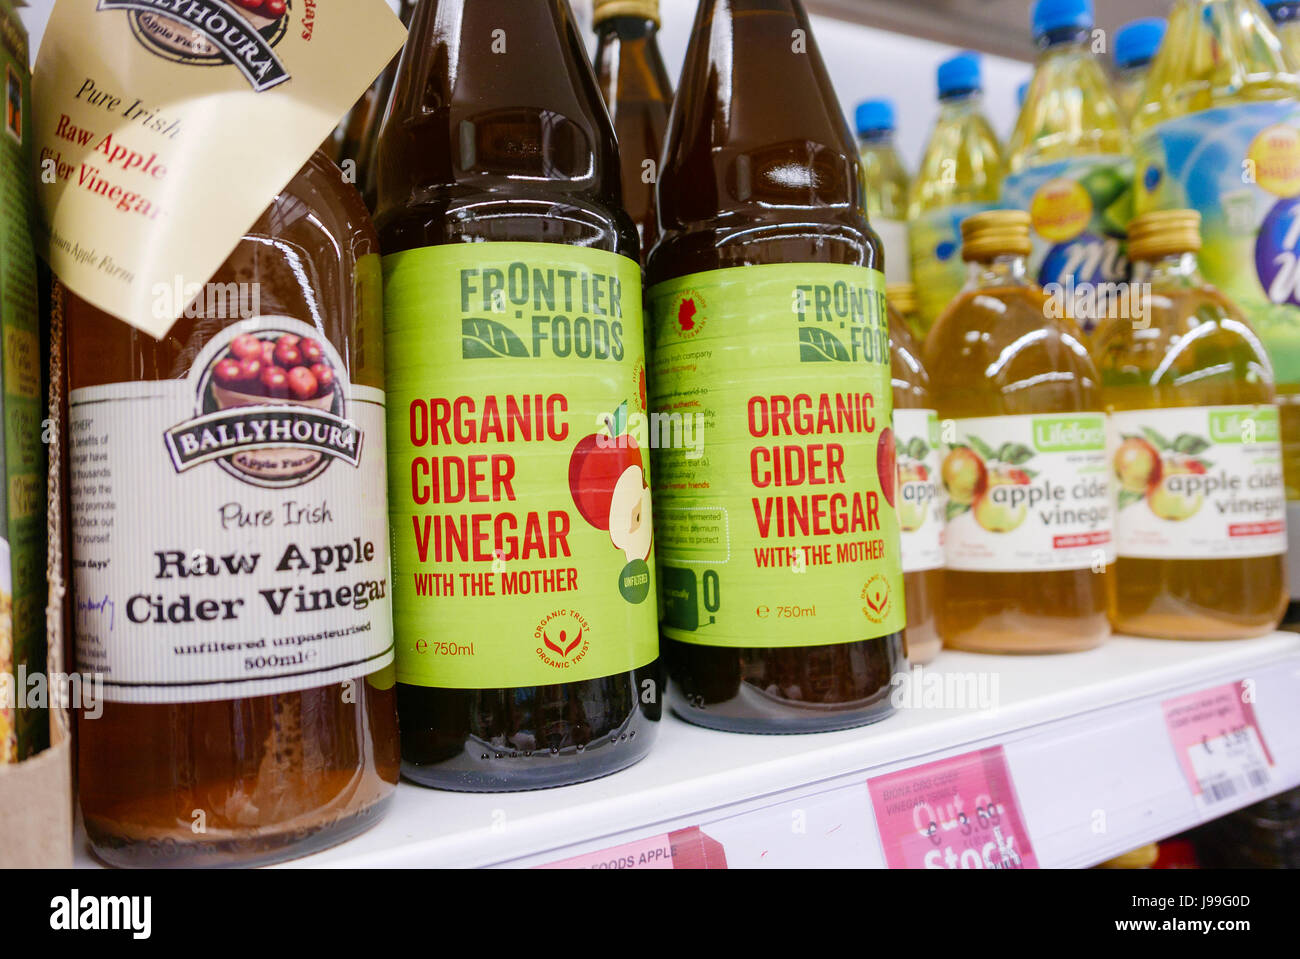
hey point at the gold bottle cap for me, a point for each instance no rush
(645, 9)
(995, 233)
(902, 297)
(1143, 857)
(1164, 233)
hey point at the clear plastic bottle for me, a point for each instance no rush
(1217, 133)
(885, 183)
(1028, 540)
(1197, 461)
(1136, 44)
(1286, 17)
(1069, 165)
(960, 174)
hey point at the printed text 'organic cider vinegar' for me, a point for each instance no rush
(782, 583)
(1195, 451)
(1024, 466)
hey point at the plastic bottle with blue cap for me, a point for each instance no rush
(1069, 164)
(885, 183)
(960, 174)
(1136, 44)
(1218, 131)
(1286, 18)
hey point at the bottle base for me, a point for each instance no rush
(755, 712)
(1199, 629)
(1027, 644)
(111, 847)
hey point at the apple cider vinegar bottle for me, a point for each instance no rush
(523, 549)
(1028, 540)
(782, 582)
(1200, 504)
(920, 494)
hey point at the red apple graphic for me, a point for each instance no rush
(685, 314)
(887, 464)
(607, 480)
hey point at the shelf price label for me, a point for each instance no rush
(958, 813)
(680, 849)
(1219, 744)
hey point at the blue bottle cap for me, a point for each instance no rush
(1052, 15)
(1137, 42)
(1020, 93)
(959, 74)
(873, 115)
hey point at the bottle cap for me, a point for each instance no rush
(874, 115)
(1052, 15)
(641, 9)
(902, 297)
(1137, 42)
(995, 233)
(959, 74)
(1164, 233)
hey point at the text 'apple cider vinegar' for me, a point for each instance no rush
(782, 581)
(919, 493)
(1024, 466)
(1196, 451)
(523, 556)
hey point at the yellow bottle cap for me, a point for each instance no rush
(1143, 857)
(902, 297)
(644, 9)
(1164, 233)
(995, 233)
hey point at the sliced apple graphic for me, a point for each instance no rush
(629, 514)
(607, 481)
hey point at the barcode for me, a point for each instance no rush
(1219, 791)
(1257, 777)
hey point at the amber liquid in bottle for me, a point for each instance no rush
(999, 350)
(274, 776)
(921, 587)
(512, 146)
(762, 168)
(636, 88)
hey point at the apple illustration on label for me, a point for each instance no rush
(964, 475)
(608, 483)
(992, 511)
(1170, 502)
(913, 478)
(1137, 465)
(887, 464)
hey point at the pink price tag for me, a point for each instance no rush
(680, 849)
(958, 813)
(1219, 744)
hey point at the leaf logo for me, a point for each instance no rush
(561, 648)
(876, 594)
(484, 339)
(820, 346)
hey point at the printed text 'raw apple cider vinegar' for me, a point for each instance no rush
(523, 562)
(1219, 132)
(1200, 527)
(782, 584)
(1024, 465)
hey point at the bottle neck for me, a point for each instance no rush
(1064, 41)
(1006, 269)
(960, 103)
(1173, 269)
(627, 30)
(876, 138)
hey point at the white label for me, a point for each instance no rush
(898, 259)
(1027, 493)
(1198, 482)
(921, 498)
(230, 540)
(1229, 766)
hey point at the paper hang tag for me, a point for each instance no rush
(164, 128)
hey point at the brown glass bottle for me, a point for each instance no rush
(637, 91)
(264, 777)
(496, 134)
(760, 168)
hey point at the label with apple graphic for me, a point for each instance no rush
(922, 499)
(1198, 482)
(1027, 492)
(780, 528)
(519, 473)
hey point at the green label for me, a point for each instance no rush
(518, 482)
(1069, 434)
(770, 420)
(1235, 425)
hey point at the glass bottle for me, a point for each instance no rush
(1028, 540)
(1197, 461)
(885, 183)
(901, 298)
(209, 605)
(783, 612)
(1136, 44)
(523, 563)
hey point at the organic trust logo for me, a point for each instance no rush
(1162, 472)
(241, 33)
(562, 638)
(271, 405)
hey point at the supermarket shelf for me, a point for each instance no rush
(1084, 737)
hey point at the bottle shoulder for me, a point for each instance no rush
(963, 162)
(1071, 111)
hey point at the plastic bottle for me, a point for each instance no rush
(1136, 44)
(523, 563)
(1217, 133)
(1028, 539)
(960, 174)
(1069, 165)
(1197, 462)
(885, 182)
(782, 581)
(1286, 18)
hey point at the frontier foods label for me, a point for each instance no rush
(164, 128)
(779, 528)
